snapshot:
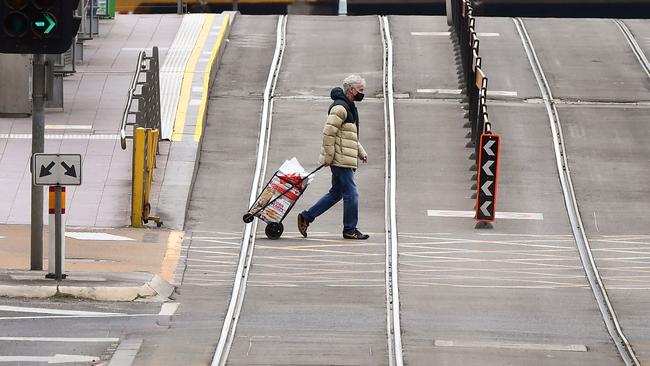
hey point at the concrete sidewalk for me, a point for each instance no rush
(102, 264)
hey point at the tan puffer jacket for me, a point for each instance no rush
(341, 146)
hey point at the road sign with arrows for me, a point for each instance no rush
(488, 172)
(57, 169)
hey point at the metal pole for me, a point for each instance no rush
(343, 7)
(179, 6)
(38, 146)
(235, 5)
(57, 233)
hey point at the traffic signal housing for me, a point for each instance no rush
(37, 26)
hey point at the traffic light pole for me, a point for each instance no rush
(38, 146)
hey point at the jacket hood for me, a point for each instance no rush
(337, 93)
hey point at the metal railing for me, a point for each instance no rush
(145, 89)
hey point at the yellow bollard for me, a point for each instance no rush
(138, 177)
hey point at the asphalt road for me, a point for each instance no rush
(516, 294)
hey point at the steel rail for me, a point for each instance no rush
(248, 238)
(586, 256)
(638, 52)
(394, 329)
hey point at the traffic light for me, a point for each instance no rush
(37, 26)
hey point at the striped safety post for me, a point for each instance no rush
(51, 254)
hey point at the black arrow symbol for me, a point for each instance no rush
(69, 170)
(45, 171)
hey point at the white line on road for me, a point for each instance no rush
(60, 339)
(494, 93)
(20, 309)
(499, 215)
(513, 345)
(68, 127)
(50, 359)
(28, 136)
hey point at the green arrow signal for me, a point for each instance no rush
(50, 23)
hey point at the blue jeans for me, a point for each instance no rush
(343, 186)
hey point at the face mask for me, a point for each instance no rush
(359, 96)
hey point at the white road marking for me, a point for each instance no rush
(28, 136)
(68, 127)
(195, 102)
(20, 309)
(596, 222)
(126, 352)
(430, 33)
(168, 308)
(499, 214)
(439, 91)
(60, 339)
(50, 359)
(494, 93)
(513, 345)
(96, 236)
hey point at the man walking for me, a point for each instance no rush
(341, 151)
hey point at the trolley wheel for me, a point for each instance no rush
(274, 230)
(248, 218)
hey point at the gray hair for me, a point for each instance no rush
(352, 81)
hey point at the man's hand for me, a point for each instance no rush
(364, 159)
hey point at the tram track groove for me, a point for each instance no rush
(248, 238)
(636, 48)
(392, 284)
(591, 270)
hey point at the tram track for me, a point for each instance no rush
(591, 270)
(392, 283)
(636, 48)
(393, 329)
(248, 238)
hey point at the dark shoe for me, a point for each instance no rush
(356, 234)
(303, 224)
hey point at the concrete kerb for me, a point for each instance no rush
(175, 190)
(155, 289)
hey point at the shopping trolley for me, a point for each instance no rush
(277, 199)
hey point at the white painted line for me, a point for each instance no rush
(68, 127)
(59, 339)
(195, 102)
(28, 136)
(197, 89)
(488, 34)
(499, 215)
(20, 309)
(493, 93)
(513, 345)
(502, 93)
(204, 59)
(430, 33)
(169, 308)
(96, 236)
(50, 359)
(126, 352)
(439, 91)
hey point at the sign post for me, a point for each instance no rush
(57, 170)
(486, 187)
